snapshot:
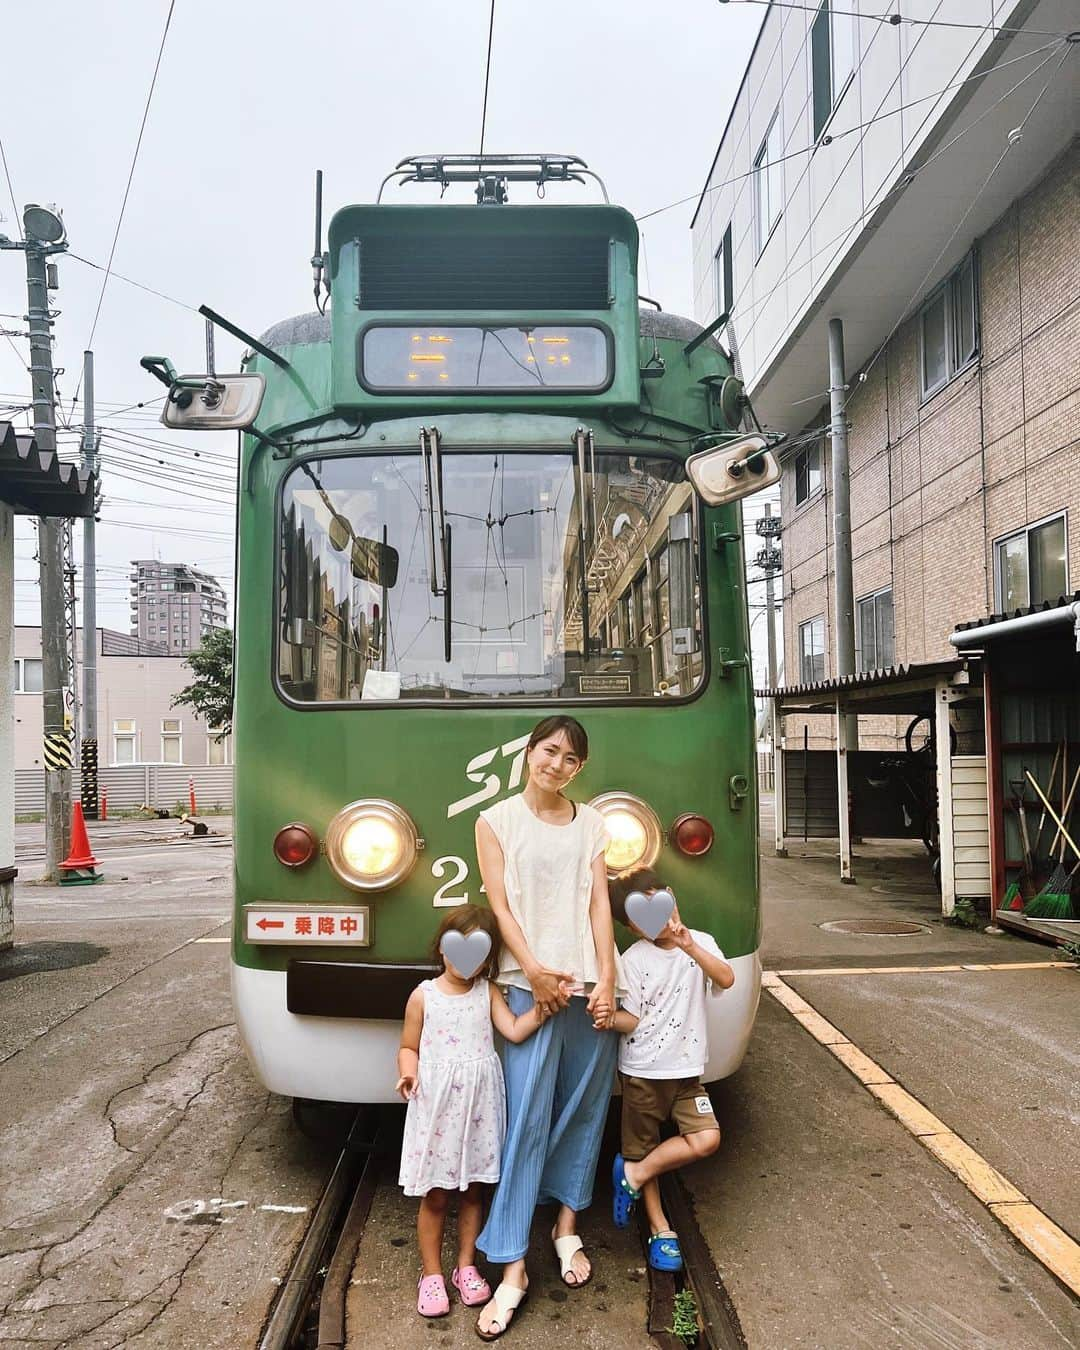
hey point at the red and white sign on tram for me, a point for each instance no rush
(323, 926)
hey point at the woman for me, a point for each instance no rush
(542, 860)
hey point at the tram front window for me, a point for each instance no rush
(359, 620)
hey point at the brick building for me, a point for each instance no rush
(920, 184)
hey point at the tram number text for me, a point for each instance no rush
(442, 899)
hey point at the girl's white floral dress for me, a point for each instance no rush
(456, 1122)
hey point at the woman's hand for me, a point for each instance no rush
(550, 990)
(407, 1086)
(601, 1004)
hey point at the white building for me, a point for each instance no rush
(137, 723)
(860, 159)
(173, 605)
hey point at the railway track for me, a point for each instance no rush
(310, 1310)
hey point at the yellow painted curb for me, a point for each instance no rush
(974, 1171)
(770, 977)
(908, 1110)
(1044, 1239)
(1048, 1243)
(862, 1066)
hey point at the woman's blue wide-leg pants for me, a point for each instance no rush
(558, 1085)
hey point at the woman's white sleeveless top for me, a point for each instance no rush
(548, 882)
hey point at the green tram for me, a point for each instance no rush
(488, 486)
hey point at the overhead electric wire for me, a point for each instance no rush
(487, 76)
(11, 190)
(861, 126)
(895, 20)
(88, 345)
(119, 276)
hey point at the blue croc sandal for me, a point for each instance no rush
(622, 1204)
(665, 1252)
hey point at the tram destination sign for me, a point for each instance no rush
(309, 925)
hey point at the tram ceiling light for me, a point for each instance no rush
(635, 829)
(691, 834)
(372, 844)
(725, 473)
(295, 844)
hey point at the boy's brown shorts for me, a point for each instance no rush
(649, 1102)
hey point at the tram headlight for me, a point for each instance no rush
(636, 833)
(372, 844)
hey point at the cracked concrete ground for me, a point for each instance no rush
(137, 1148)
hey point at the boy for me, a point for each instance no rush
(661, 1058)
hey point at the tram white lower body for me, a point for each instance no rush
(355, 1060)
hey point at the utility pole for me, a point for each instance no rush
(769, 560)
(44, 231)
(89, 757)
(844, 606)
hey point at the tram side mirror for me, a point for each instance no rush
(724, 473)
(213, 402)
(681, 584)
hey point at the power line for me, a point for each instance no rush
(861, 126)
(487, 76)
(11, 190)
(896, 19)
(131, 282)
(88, 345)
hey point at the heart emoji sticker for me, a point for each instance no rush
(466, 952)
(650, 913)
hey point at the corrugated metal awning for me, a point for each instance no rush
(38, 482)
(897, 689)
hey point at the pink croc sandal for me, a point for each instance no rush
(431, 1298)
(471, 1285)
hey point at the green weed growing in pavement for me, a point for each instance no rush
(964, 915)
(684, 1317)
(1071, 952)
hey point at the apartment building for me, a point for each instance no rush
(137, 723)
(174, 605)
(918, 181)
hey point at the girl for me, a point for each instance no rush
(542, 860)
(452, 1080)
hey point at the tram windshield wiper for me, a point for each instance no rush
(585, 451)
(437, 534)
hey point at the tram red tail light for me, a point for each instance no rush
(692, 835)
(295, 844)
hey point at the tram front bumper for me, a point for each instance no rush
(351, 989)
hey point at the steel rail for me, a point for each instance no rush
(352, 1176)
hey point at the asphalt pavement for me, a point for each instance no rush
(155, 1194)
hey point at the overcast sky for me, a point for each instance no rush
(249, 101)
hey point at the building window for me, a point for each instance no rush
(723, 275)
(874, 632)
(812, 651)
(768, 183)
(1031, 566)
(28, 678)
(217, 747)
(949, 328)
(171, 749)
(124, 741)
(807, 472)
(832, 56)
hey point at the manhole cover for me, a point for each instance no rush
(878, 927)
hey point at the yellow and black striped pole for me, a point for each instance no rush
(90, 777)
(58, 750)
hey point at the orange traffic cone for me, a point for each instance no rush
(80, 865)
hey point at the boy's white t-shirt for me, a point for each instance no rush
(666, 989)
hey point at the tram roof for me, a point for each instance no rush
(311, 328)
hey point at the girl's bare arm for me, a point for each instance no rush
(603, 994)
(408, 1059)
(509, 1027)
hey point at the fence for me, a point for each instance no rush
(130, 786)
(765, 778)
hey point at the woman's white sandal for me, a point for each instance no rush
(566, 1248)
(507, 1299)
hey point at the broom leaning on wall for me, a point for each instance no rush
(1054, 901)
